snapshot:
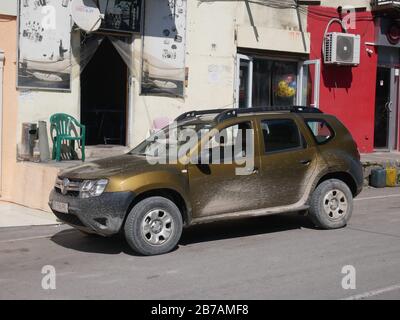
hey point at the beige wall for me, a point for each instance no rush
(211, 47)
(8, 30)
(36, 105)
(211, 31)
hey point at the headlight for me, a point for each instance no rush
(92, 188)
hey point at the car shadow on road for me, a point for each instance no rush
(75, 240)
(244, 228)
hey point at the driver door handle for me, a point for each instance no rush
(252, 170)
(306, 162)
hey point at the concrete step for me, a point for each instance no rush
(101, 151)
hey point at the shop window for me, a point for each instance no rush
(280, 135)
(274, 83)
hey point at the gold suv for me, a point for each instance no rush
(213, 165)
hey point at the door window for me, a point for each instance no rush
(280, 135)
(231, 143)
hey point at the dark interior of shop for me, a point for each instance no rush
(104, 97)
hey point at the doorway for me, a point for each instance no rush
(104, 93)
(386, 109)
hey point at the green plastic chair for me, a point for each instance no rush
(64, 129)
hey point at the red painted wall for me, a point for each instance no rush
(347, 92)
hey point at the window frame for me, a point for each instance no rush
(306, 120)
(302, 141)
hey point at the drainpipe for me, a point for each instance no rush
(1, 116)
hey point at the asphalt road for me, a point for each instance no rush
(274, 257)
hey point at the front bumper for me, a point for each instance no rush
(103, 215)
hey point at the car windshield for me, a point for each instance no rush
(173, 137)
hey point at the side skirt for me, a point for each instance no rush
(248, 214)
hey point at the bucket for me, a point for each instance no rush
(378, 178)
(391, 177)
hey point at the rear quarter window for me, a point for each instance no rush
(320, 129)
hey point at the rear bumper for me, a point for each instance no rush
(103, 215)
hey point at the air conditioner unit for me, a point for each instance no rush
(342, 49)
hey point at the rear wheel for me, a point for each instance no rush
(331, 205)
(154, 226)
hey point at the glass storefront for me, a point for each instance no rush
(266, 82)
(274, 83)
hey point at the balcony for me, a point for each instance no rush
(386, 7)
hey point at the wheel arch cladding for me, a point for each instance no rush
(343, 176)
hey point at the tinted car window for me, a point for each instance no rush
(321, 130)
(280, 135)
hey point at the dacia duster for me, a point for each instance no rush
(301, 160)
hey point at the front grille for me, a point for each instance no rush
(70, 187)
(69, 193)
(69, 218)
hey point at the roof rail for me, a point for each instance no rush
(193, 114)
(224, 114)
(227, 114)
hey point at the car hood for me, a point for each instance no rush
(107, 167)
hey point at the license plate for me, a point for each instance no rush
(60, 206)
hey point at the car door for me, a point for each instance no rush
(226, 184)
(287, 160)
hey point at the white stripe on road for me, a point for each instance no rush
(374, 293)
(378, 197)
(36, 238)
(26, 239)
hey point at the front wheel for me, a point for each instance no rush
(153, 226)
(331, 205)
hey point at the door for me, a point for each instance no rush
(244, 81)
(104, 97)
(287, 162)
(218, 188)
(385, 109)
(309, 83)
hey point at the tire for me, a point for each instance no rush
(331, 205)
(153, 226)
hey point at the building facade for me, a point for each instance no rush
(364, 97)
(152, 60)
